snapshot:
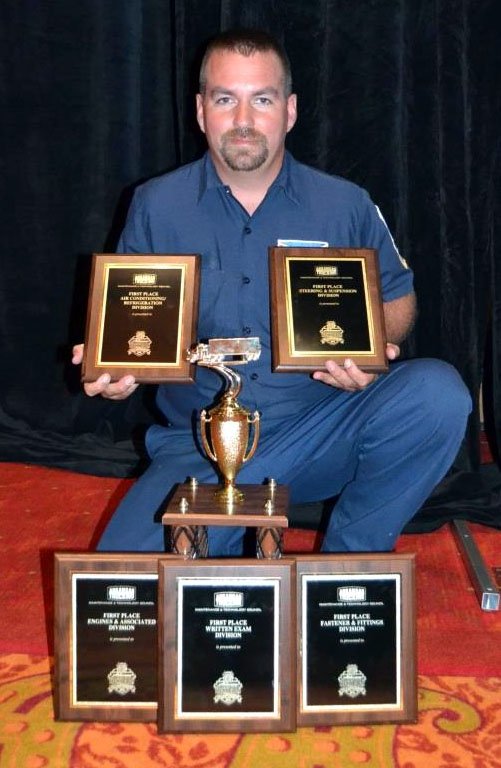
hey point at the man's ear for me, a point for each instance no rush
(291, 111)
(200, 112)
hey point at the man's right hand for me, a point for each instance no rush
(116, 390)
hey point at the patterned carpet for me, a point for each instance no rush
(459, 726)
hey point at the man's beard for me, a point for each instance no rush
(247, 158)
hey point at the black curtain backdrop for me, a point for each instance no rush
(400, 96)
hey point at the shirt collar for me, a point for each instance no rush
(208, 177)
(286, 178)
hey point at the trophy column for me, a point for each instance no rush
(269, 538)
(187, 539)
(226, 438)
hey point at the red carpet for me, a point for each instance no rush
(44, 510)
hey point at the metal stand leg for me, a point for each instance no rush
(190, 541)
(485, 588)
(269, 543)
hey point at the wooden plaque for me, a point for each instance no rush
(142, 316)
(226, 646)
(326, 305)
(105, 640)
(356, 639)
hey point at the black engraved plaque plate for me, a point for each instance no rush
(228, 633)
(115, 634)
(353, 641)
(317, 296)
(154, 307)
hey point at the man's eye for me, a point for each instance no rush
(223, 100)
(263, 100)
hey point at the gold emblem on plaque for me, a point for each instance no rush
(226, 427)
(331, 333)
(228, 689)
(139, 344)
(121, 679)
(352, 682)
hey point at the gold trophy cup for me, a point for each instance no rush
(225, 428)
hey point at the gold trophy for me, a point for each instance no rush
(225, 428)
(226, 433)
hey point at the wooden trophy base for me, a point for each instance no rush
(193, 507)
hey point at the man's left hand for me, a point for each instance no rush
(348, 376)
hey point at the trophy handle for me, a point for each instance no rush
(254, 421)
(204, 420)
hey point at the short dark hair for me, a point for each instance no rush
(247, 42)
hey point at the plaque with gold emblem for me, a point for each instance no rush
(105, 636)
(326, 305)
(356, 639)
(226, 645)
(142, 316)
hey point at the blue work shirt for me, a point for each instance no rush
(191, 211)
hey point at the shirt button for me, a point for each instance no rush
(246, 280)
(247, 230)
(246, 330)
(254, 376)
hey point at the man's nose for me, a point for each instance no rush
(243, 115)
